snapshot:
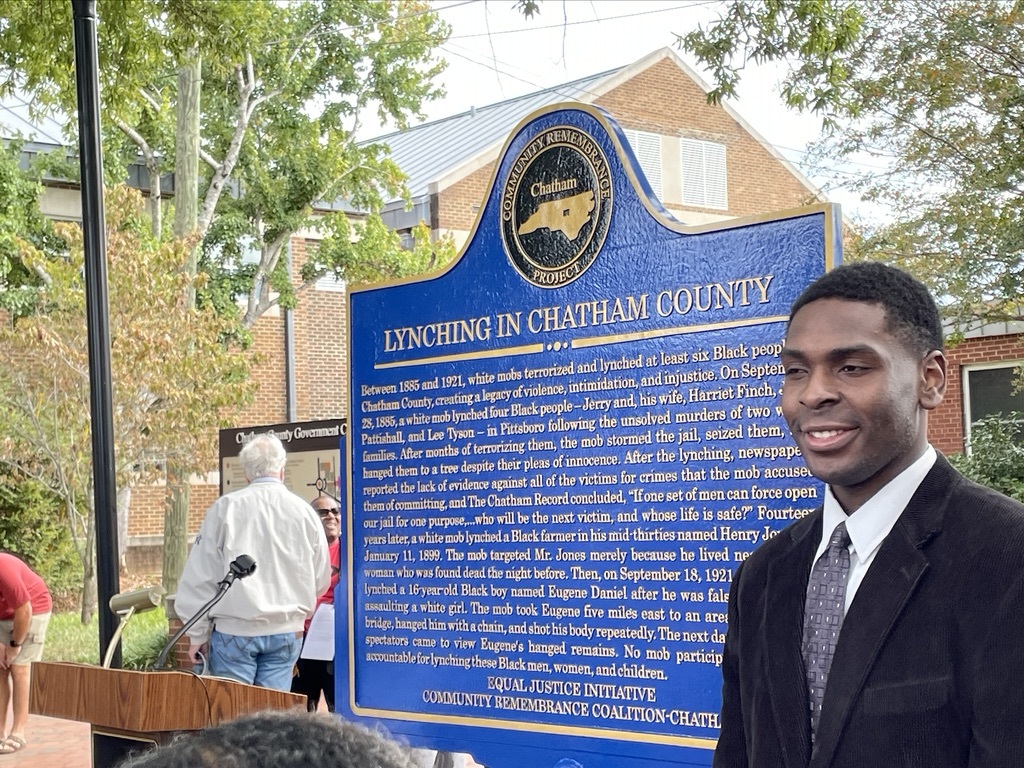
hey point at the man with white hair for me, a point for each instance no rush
(254, 634)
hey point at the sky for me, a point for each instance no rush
(495, 53)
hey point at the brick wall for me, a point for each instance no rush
(150, 501)
(946, 423)
(321, 349)
(321, 354)
(268, 406)
(458, 205)
(665, 100)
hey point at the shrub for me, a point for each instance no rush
(145, 636)
(33, 526)
(996, 457)
(68, 639)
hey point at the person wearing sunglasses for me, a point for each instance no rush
(316, 675)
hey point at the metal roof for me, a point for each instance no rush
(16, 120)
(427, 152)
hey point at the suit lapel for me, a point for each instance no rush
(888, 586)
(783, 628)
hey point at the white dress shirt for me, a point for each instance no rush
(871, 523)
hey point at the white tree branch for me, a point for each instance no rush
(227, 167)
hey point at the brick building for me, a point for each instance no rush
(981, 373)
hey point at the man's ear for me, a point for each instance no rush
(933, 380)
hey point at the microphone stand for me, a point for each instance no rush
(238, 570)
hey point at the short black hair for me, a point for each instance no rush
(910, 310)
(282, 739)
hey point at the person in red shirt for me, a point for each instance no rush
(25, 606)
(315, 675)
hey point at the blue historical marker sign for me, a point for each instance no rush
(561, 447)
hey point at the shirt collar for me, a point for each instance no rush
(876, 517)
(264, 480)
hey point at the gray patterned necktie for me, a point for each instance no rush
(823, 616)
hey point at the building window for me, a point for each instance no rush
(703, 172)
(647, 148)
(330, 284)
(990, 389)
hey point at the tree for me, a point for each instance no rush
(284, 87)
(930, 90)
(21, 226)
(33, 527)
(289, 129)
(173, 378)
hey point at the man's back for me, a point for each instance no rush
(254, 633)
(279, 530)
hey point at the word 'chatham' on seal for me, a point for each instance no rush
(556, 206)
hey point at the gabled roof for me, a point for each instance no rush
(430, 151)
(444, 151)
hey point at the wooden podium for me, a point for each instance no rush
(130, 711)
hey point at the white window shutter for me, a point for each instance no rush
(692, 154)
(703, 174)
(715, 176)
(647, 148)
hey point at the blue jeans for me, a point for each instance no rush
(264, 660)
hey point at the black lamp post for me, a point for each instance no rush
(98, 319)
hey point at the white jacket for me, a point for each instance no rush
(283, 534)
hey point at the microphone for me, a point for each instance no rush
(137, 601)
(241, 567)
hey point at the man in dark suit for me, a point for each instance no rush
(914, 628)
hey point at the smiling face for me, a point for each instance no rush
(330, 516)
(856, 397)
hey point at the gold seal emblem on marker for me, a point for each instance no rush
(556, 206)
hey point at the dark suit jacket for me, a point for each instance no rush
(929, 667)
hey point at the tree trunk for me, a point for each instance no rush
(175, 529)
(89, 594)
(186, 156)
(186, 210)
(124, 501)
(155, 201)
(88, 555)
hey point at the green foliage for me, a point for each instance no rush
(375, 253)
(931, 94)
(996, 457)
(285, 86)
(141, 645)
(818, 34)
(68, 639)
(22, 227)
(34, 527)
(139, 42)
(173, 380)
(332, 61)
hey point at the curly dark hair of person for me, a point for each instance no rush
(280, 739)
(910, 310)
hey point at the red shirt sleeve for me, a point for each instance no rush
(19, 584)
